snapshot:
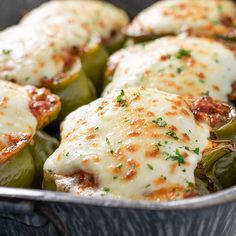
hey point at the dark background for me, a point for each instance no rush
(12, 10)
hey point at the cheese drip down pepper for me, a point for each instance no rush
(23, 111)
(136, 143)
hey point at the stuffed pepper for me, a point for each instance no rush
(23, 147)
(62, 45)
(143, 144)
(199, 17)
(186, 66)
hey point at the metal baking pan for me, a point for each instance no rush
(36, 212)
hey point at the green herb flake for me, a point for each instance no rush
(67, 154)
(148, 185)
(119, 166)
(120, 99)
(184, 170)
(106, 189)
(172, 134)
(150, 166)
(115, 177)
(207, 94)
(177, 157)
(183, 53)
(196, 150)
(50, 171)
(108, 141)
(179, 70)
(27, 78)
(159, 122)
(163, 177)
(97, 128)
(112, 151)
(6, 51)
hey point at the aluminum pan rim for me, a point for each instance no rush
(211, 200)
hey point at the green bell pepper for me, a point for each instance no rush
(25, 169)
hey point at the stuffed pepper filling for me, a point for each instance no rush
(136, 143)
(185, 66)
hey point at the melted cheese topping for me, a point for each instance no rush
(185, 66)
(17, 123)
(95, 17)
(209, 17)
(135, 143)
(36, 50)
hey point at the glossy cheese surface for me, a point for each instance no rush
(136, 143)
(186, 66)
(34, 51)
(95, 17)
(211, 17)
(17, 123)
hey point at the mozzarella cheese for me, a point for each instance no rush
(36, 50)
(95, 17)
(137, 143)
(209, 17)
(186, 66)
(17, 123)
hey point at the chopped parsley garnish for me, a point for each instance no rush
(120, 99)
(183, 170)
(97, 128)
(108, 141)
(179, 70)
(183, 53)
(207, 94)
(115, 177)
(150, 166)
(177, 157)
(160, 122)
(27, 78)
(106, 189)
(148, 185)
(172, 134)
(100, 107)
(112, 151)
(6, 51)
(50, 171)
(120, 166)
(163, 177)
(196, 150)
(67, 154)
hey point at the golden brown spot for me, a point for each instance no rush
(164, 57)
(132, 163)
(185, 137)
(173, 168)
(137, 122)
(215, 87)
(59, 157)
(185, 112)
(174, 107)
(135, 97)
(85, 160)
(130, 174)
(200, 75)
(170, 193)
(159, 181)
(90, 136)
(133, 134)
(169, 113)
(131, 147)
(150, 114)
(96, 158)
(173, 128)
(139, 109)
